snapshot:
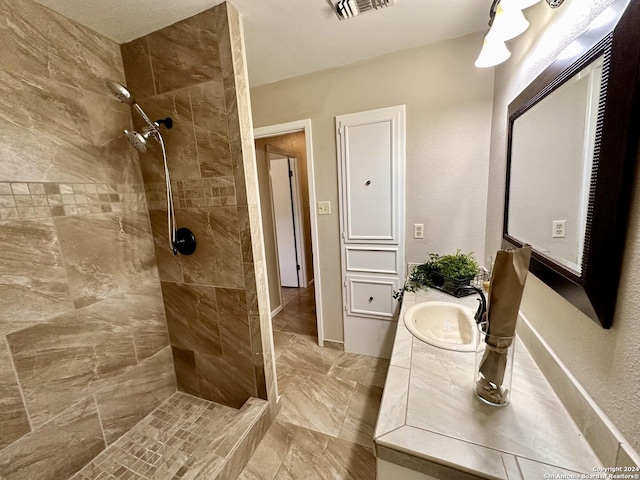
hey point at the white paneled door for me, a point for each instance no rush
(284, 188)
(371, 157)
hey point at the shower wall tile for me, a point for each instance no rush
(192, 317)
(212, 299)
(144, 309)
(251, 290)
(185, 53)
(67, 358)
(217, 260)
(234, 322)
(105, 255)
(169, 265)
(228, 380)
(80, 297)
(180, 141)
(137, 66)
(134, 395)
(14, 422)
(32, 275)
(245, 233)
(210, 119)
(185, 367)
(58, 449)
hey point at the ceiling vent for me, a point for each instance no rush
(350, 8)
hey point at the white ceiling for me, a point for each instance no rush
(288, 38)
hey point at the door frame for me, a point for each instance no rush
(293, 127)
(296, 204)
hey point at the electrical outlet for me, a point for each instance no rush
(558, 229)
(418, 230)
(324, 208)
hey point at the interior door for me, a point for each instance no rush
(281, 187)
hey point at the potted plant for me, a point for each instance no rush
(447, 273)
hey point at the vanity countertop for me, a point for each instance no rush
(429, 417)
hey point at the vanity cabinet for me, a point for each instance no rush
(371, 158)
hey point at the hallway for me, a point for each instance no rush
(329, 404)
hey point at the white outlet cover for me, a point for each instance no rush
(324, 208)
(558, 229)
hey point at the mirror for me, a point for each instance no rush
(573, 144)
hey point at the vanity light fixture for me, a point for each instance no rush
(507, 24)
(493, 52)
(347, 9)
(350, 8)
(519, 4)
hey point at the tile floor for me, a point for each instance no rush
(330, 402)
(185, 438)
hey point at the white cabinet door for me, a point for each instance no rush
(371, 156)
(370, 170)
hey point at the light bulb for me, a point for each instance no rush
(493, 52)
(507, 24)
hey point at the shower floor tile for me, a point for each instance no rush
(173, 442)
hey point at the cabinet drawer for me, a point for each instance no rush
(371, 296)
(375, 260)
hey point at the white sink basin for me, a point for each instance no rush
(443, 324)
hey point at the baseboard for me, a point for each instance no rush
(603, 436)
(334, 345)
(276, 310)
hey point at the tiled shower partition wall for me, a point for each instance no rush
(215, 300)
(84, 348)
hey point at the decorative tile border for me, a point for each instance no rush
(25, 200)
(204, 192)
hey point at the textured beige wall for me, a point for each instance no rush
(604, 361)
(448, 124)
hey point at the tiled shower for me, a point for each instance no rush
(100, 323)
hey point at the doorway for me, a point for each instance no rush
(287, 217)
(310, 283)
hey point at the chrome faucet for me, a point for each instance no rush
(482, 308)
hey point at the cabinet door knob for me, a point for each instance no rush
(368, 183)
(371, 299)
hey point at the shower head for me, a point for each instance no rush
(138, 140)
(120, 92)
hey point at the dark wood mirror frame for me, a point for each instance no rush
(594, 290)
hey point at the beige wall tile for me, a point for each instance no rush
(137, 66)
(227, 380)
(210, 120)
(106, 254)
(218, 259)
(58, 449)
(176, 53)
(234, 322)
(169, 265)
(32, 276)
(65, 359)
(14, 422)
(185, 366)
(180, 141)
(134, 395)
(146, 315)
(192, 317)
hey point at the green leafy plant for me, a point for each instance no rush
(437, 270)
